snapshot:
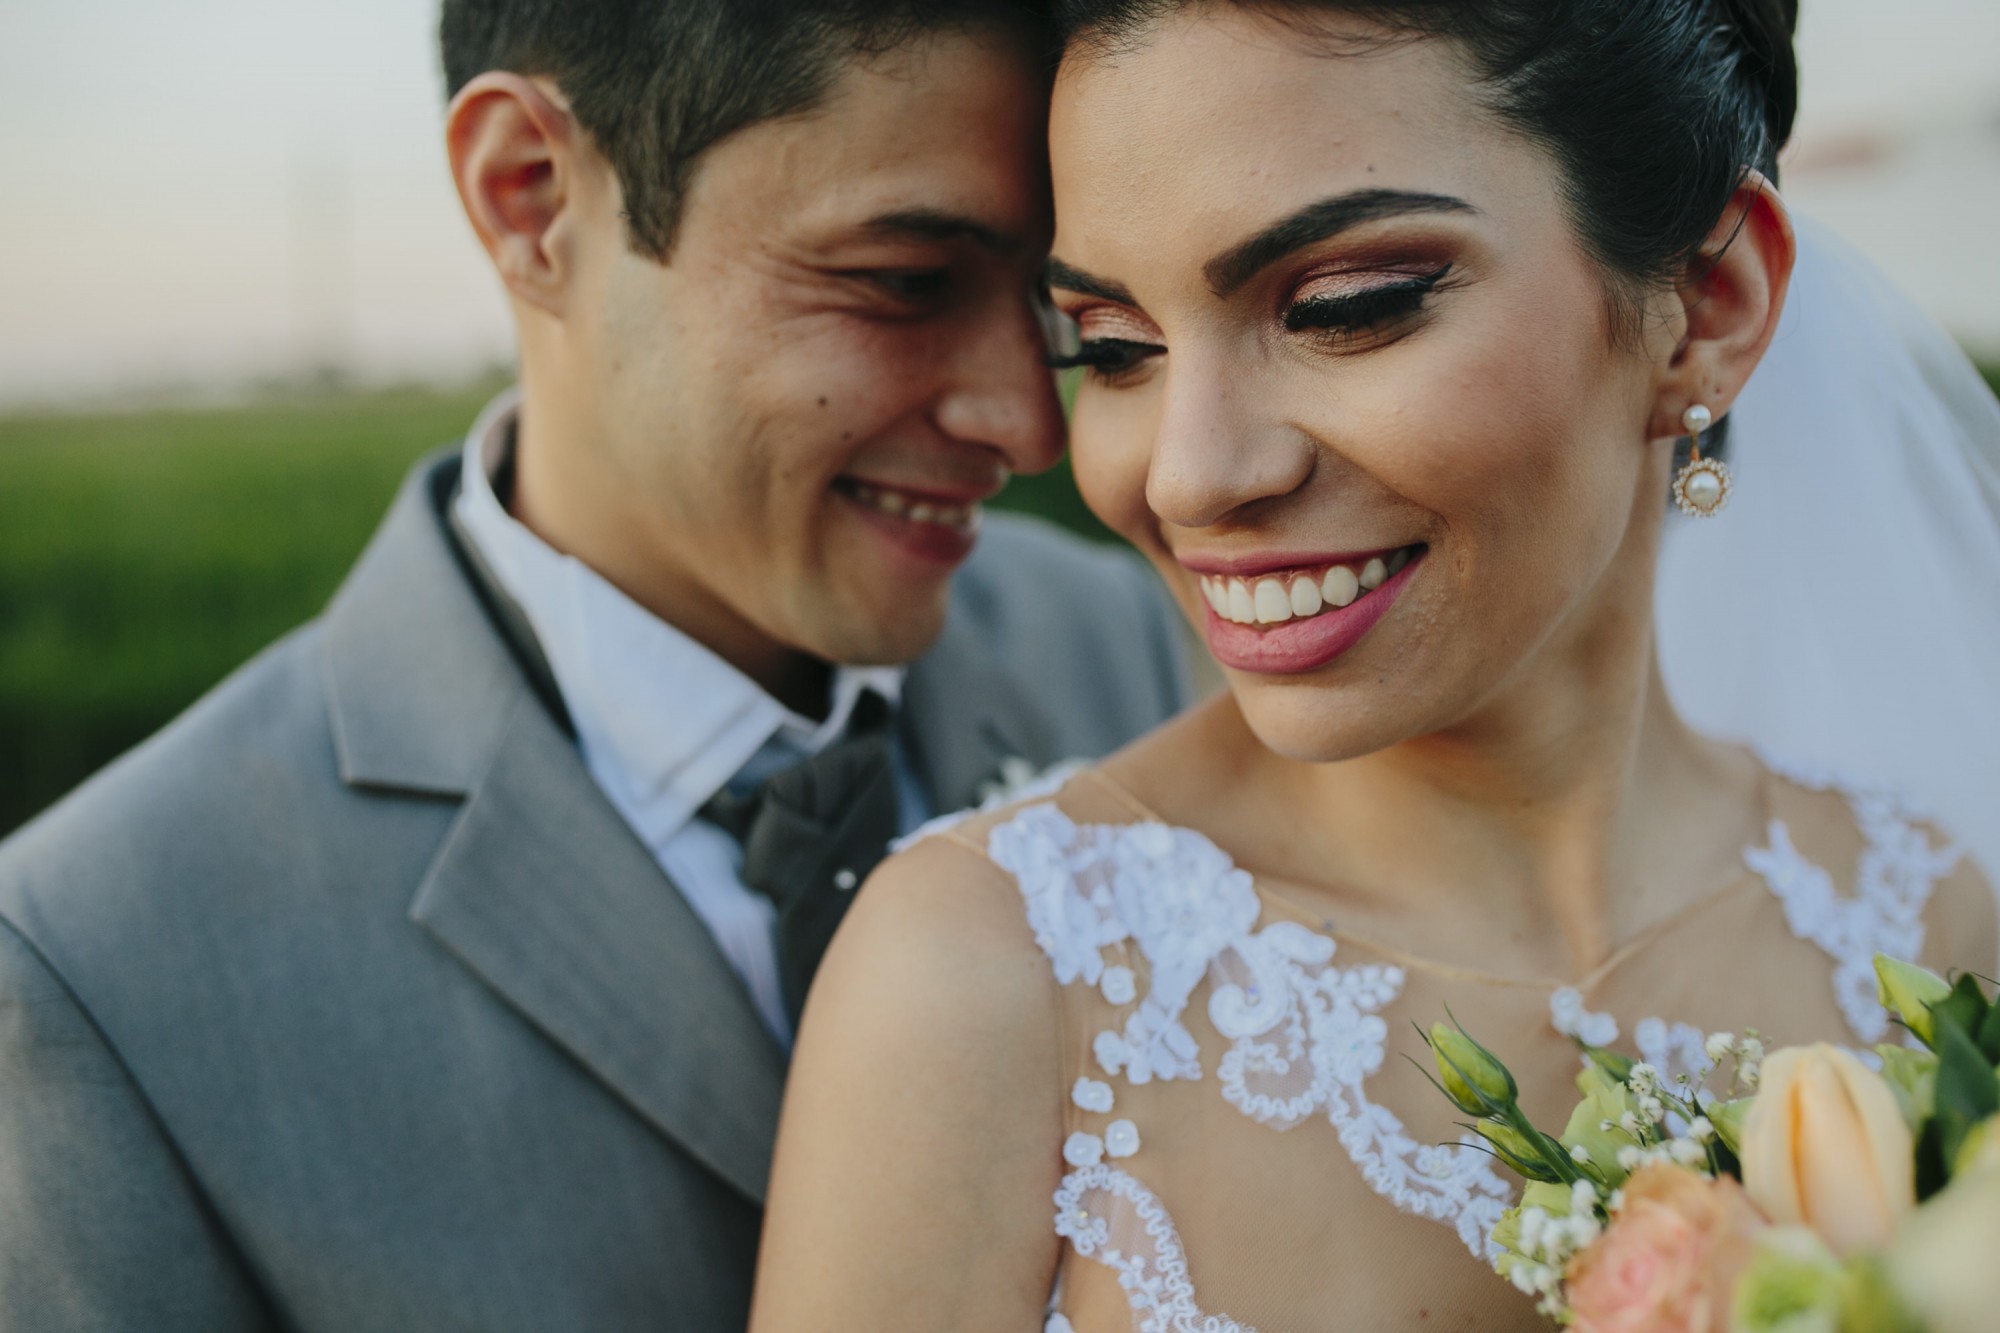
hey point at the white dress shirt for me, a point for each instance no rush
(663, 723)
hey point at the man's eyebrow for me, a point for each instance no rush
(1316, 222)
(936, 224)
(1058, 274)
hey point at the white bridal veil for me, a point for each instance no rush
(1844, 610)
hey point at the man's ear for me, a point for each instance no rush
(513, 147)
(1729, 302)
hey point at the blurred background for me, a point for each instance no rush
(237, 299)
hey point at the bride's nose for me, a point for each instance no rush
(1214, 454)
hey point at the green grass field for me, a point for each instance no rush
(144, 555)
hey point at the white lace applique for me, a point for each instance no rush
(1894, 879)
(1304, 1035)
(1108, 1216)
(1893, 883)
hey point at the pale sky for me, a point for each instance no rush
(203, 192)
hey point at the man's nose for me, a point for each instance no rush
(1001, 393)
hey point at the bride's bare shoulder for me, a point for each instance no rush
(927, 1074)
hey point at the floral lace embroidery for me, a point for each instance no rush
(1304, 1034)
(1108, 1216)
(1894, 878)
(1898, 869)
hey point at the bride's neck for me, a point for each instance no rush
(1561, 814)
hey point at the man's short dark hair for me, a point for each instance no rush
(656, 83)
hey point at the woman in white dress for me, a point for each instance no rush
(1393, 316)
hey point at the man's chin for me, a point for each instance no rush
(894, 632)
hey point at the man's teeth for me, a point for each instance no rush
(1274, 599)
(901, 504)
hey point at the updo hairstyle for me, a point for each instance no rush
(1654, 110)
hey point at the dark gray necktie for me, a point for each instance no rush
(812, 832)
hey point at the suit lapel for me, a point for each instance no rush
(962, 716)
(540, 889)
(544, 893)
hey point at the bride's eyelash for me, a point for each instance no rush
(1107, 357)
(1355, 311)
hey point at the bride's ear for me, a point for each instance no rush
(515, 157)
(1727, 306)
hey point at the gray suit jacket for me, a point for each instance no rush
(348, 1003)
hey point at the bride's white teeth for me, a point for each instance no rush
(1276, 599)
(1340, 587)
(922, 513)
(1274, 604)
(1241, 609)
(891, 502)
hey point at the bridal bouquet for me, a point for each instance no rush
(1797, 1191)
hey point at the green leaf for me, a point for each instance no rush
(1604, 1099)
(1727, 1117)
(1968, 1090)
(1965, 1008)
(1988, 1036)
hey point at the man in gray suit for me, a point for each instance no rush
(438, 970)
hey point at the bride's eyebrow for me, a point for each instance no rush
(1316, 222)
(1058, 274)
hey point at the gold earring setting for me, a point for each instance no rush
(1701, 488)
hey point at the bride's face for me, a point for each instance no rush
(1353, 378)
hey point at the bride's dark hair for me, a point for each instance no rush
(1653, 109)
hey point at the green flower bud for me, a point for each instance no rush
(1520, 1151)
(1908, 991)
(1477, 1083)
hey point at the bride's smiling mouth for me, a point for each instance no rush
(1300, 616)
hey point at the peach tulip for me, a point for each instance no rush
(1825, 1146)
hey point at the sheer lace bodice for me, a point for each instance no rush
(1249, 1148)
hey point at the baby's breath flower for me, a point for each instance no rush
(1580, 1155)
(1686, 1152)
(1701, 1129)
(1630, 1159)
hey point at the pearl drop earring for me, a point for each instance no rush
(1702, 486)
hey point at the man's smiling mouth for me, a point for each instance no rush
(912, 506)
